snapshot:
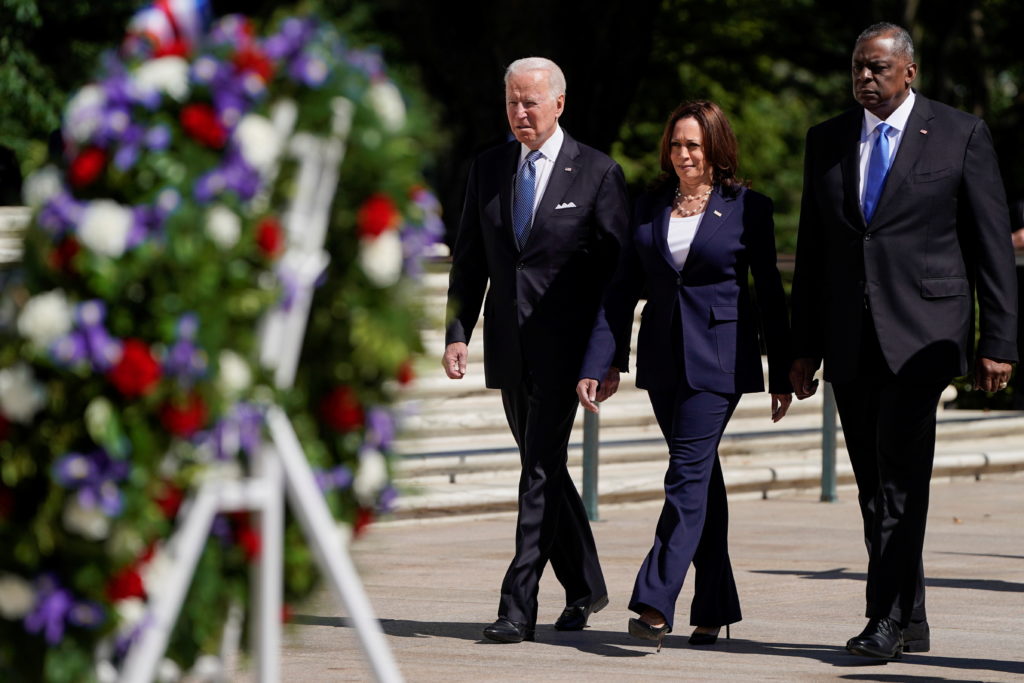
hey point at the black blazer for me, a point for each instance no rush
(939, 231)
(542, 300)
(707, 304)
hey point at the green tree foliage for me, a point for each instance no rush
(47, 49)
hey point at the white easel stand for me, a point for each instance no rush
(282, 463)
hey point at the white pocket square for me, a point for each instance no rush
(566, 205)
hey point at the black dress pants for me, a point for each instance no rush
(889, 426)
(552, 523)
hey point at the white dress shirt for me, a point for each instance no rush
(544, 165)
(898, 121)
(681, 232)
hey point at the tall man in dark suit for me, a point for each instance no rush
(543, 222)
(903, 216)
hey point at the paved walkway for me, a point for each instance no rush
(800, 569)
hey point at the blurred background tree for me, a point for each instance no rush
(776, 68)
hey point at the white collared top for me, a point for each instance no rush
(550, 149)
(898, 121)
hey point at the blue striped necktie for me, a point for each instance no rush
(525, 191)
(878, 168)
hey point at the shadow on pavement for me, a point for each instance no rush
(842, 573)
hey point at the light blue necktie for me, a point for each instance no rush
(525, 190)
(878, 168)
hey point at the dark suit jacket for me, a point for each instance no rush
(708, 301)
(940, 228)
(542, 300)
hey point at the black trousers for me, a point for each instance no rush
(889, 425)
(552, 523)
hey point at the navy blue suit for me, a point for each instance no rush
(698, 352)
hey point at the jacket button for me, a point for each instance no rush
(519, 266)
(867, 237)
(679, 280)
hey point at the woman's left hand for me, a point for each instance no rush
(780, 405)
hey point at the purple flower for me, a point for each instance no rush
(334, 479)
(95, 476)
(368, 61)
(88, 340)
(242, 428)
(184, 360)
(380, 428)
(56, 607)
(158, 137)
(61, 213)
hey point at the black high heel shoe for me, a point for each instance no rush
(643, 630)
(707, 638)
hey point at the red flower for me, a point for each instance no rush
(377, 214)
(137, 372)
(341, 410)
(169, 500)
(250, 59)
(270, 236)
(364, 517)
(184, 418)
(87, 167)
(251, 542)
(172, 48)
(405, 373)
(62, 256)
(201, 124)
(126, 584)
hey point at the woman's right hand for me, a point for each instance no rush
(586, 389)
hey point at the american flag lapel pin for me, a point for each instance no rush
(718, 213)
(568, 169)
(924, 132)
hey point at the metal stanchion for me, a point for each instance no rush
(590, 439)
(828, 445)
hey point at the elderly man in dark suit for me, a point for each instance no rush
(903, 218)
(543, 223)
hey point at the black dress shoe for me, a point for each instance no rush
(917, 637)
(574, 617)
(507, 631)
(881, 639)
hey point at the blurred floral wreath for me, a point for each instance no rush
(128, 368)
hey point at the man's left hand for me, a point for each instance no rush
(991, 375)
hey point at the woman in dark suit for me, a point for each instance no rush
(695, 238)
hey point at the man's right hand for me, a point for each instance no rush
(454, 360)
(801, 376)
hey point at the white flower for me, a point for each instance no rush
(207, 668)
(17, 597)
(45, 318)
(41, 186)
(84, 112)
(386, 100)
(235, 375)
(21, 396)
(168, 671)
(166, 75)
(371, 476)
(89, 522)
(105, 226)
(258, 141)
(223, 226)
(130, 613)
(157, 571)
(381, 258)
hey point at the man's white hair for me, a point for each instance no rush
(556, 80)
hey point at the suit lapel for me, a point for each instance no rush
(509, 165)
(915, 137)
(851, 169)
(715, 215)
(563, 174)
(659, 228)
